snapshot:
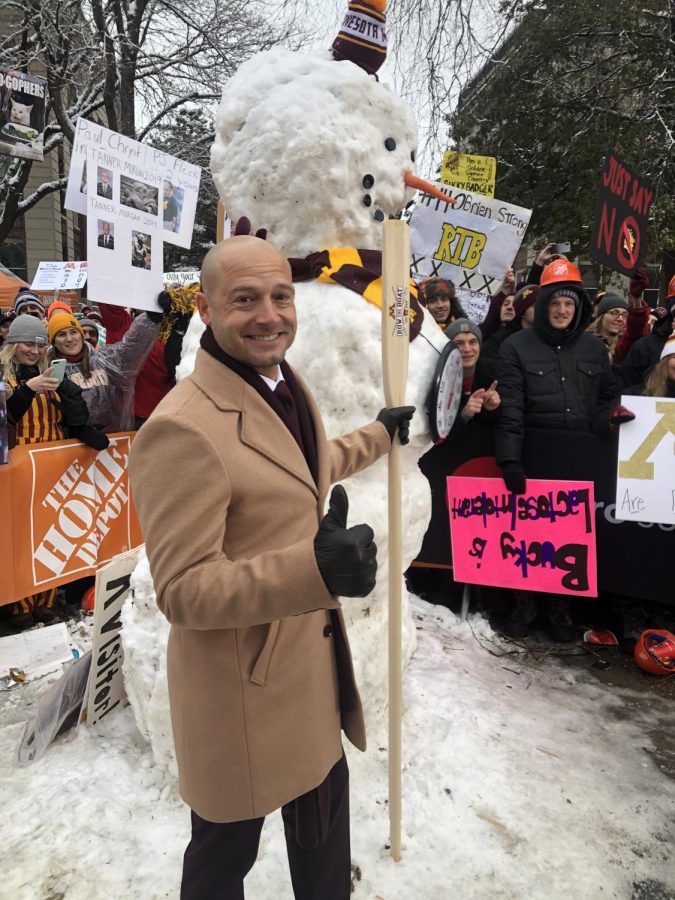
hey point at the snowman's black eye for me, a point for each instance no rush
(390, 144)
(413, 155)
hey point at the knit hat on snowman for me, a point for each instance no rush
(362, 37)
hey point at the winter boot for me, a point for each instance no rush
(523, 614)
(560, 624)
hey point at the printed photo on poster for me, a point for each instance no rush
(125, 243)
(104, 180)
(138, 195)
(23, 100)
(172, 206)
(141, 250)
(150, 181)
(106, 234)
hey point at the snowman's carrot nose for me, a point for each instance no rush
(426, 188)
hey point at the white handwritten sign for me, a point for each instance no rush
(60, 276)
(141, 177)
(645, 484)
(472, 242)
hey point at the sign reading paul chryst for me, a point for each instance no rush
(70, 511)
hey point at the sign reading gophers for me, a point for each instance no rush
(542, 540)
(619, 236)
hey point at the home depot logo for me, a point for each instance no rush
(80, 510)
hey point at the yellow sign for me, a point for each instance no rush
(470, 173)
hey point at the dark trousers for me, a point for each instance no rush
(316, 826)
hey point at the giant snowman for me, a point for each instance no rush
(318, 151)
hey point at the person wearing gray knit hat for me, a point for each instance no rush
(611, 301)
(28, 302)
(610, 322)
(90, 331)
(463, 325)
(27, 329)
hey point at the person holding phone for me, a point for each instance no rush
(107, 375)
(42, 405)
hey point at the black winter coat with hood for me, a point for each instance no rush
(646, 352)
(552, 379)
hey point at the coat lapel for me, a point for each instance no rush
(261, 429)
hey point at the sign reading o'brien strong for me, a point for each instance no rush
(71, 513)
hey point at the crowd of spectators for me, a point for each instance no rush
(547, 358)
(82, 374)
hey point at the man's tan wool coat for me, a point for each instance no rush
(229, 510)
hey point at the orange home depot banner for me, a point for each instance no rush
(67, 510)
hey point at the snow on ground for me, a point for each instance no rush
(519, 782)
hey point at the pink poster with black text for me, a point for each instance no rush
(542, 540)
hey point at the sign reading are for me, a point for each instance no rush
(70, 512)
(542, 540)
(619, 236)
(645, 484)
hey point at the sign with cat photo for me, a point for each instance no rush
(23, 101)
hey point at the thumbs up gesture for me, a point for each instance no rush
(346, 557)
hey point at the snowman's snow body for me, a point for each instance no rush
(296, 135)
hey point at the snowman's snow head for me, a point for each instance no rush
(313, 149)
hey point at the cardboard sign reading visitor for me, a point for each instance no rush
(70, 510)
(471, 173)
(542, 540)
(619, 236)
(472, 242)
(106, 680)
(645, 484)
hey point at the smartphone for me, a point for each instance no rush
(58, 367)
(563, 247)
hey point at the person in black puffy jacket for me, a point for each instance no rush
(553, 375)
(556, 376)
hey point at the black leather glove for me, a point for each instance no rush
(514, 477)
(346, 557)
(397, 417)
(90, 436)
(164, 301)
(73, 406)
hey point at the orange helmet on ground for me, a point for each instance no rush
(655, 651)
(561, 270)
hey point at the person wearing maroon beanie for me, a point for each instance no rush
(523, 307)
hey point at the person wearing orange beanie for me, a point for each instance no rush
(59, 306)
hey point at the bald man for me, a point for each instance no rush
(230, 475)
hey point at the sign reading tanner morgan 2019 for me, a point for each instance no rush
(645, 486)
(542, 540)
(136, 175)
(23, 102)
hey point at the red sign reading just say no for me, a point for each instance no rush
(619, 232)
